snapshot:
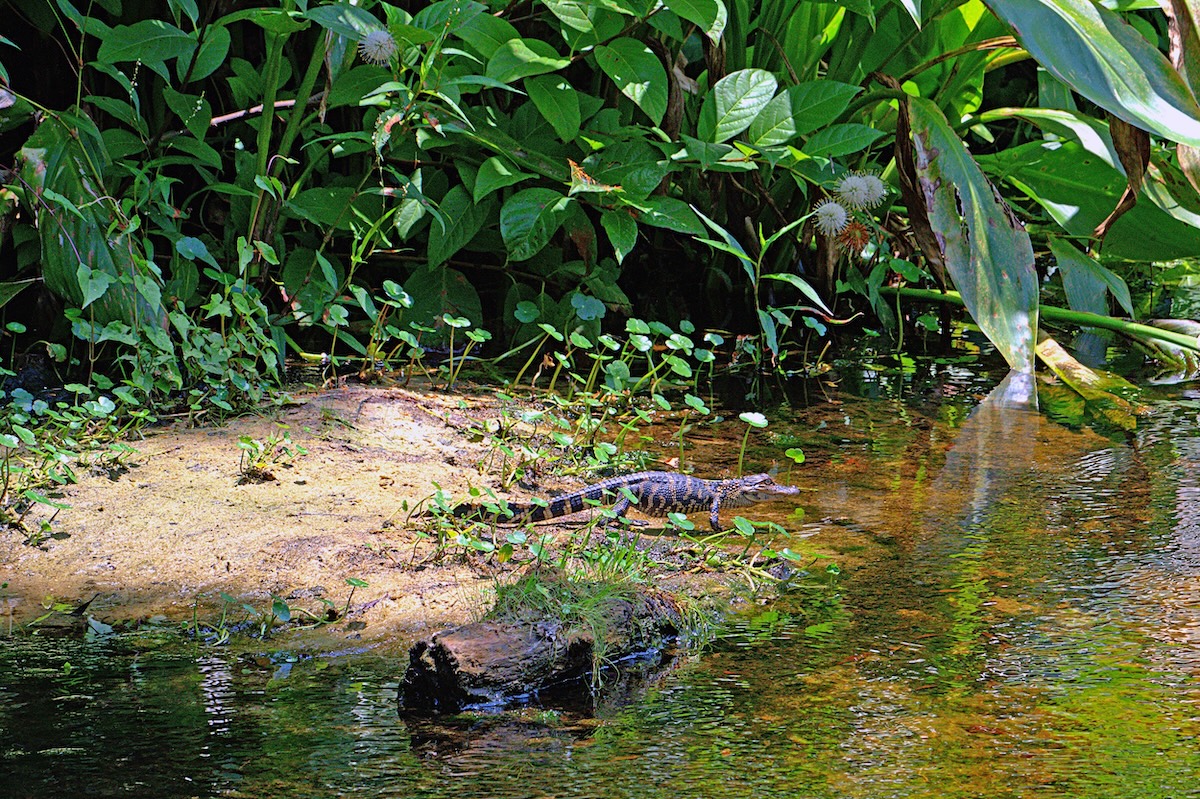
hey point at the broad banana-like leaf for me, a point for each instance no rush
(985, 247)
(87, 257)
(1099, 55)
(1106, 396)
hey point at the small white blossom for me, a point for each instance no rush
(377, 47)
(830, 217)
(861, 190)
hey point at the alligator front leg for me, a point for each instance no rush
(713, 521)
(623, 505)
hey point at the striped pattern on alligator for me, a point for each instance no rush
(657, 494)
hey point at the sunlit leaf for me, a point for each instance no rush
(520, 58)
(1099, 55)
(496, 173)
(637, 73)
(1078, 190)
(798, 110)
(733, 103)
(1106, 395)
(986, 249)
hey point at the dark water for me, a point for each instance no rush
(1018, 615)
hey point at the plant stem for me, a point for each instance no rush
(1081, 318)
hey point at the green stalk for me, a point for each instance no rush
(1081, 318)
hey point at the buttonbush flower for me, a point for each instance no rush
(861, 190)
(854, 237)
(377, 47)
(830, 217)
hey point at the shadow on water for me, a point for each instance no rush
(1019, 615)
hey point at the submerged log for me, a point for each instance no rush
(497, 662)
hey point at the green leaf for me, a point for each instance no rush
(621, 230)
(637, 73)
(913, 7)
(193, 248)
(753, 419)
(150, 41)
(798, 110)
(11, 288)
(557, 101)
(486, 33)
(803, 285)
(193, 110)
(520, 58)
(729, 244)
(526, 312)
(1078, 190)
(1096, 53)
(213, 49)
(835, 141)
(1086, 281)
(439, 290)
(572, 13)
(496, 173)
(703, 13)
(733, 103)
(669, 213)
(61, 159)
(352, 86)
(464, 218)
(344, 19)
(529, 218)
(587, 308)
(986, 249)
(93, 283)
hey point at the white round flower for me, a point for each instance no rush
(861, 190)
(377, 47)
(830, 217)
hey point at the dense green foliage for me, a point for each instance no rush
(532, 172)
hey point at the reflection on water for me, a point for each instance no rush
(1019, 616)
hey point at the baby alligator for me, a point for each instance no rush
(657, 494)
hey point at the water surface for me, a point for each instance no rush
(1018, 614)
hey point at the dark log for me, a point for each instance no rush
(494, 663)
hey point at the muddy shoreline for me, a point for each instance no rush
(180, 526)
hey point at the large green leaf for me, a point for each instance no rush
(703, 13)
(733, 103)
(529, 218)
(985, 247)
(344, 19)
(638, 74)
(520, 58)
(572, 13)
(150, 42)
(1078, 190)
(464, 218)
(835, 141)
(621, 230)
(799, 110)
(486, 33)
(1099, 55)
(78, 224)
(557, 101)
(1087, 282)
(496, 173)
